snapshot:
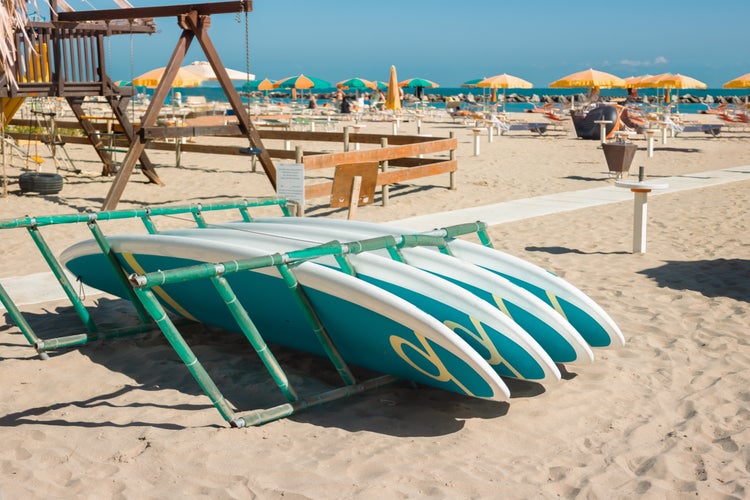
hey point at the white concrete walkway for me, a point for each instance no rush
(514, 210)
(43, 287)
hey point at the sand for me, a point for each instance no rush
(663, 417)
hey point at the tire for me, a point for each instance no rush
(40, 182)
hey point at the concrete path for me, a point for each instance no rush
(515, 210)
(43, 287)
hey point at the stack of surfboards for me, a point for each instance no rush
(460, 322)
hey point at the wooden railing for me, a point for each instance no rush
(401, 157)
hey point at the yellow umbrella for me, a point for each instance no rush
(679, 81)
(393, 99)
(589, 78)
(184, 78)
(741, 82)
(670, 81)
(504, 81)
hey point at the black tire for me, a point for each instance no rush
(40, 182)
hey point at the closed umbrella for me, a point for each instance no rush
(393, 98)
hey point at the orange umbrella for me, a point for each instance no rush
(741, 82)
(589, 78)
(184, 78)
(393, 98)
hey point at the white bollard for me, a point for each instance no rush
(476, 131)
(640, 209)
(490, 133)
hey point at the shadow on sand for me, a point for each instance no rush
(713, 278)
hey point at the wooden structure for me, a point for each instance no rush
(65, 58)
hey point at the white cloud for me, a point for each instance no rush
(656, 61)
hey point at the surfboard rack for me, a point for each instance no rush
(152, 314)
(92, 332)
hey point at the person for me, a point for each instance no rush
(312, 103)
(345, 105)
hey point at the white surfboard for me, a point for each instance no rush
(505, 345)
(370, 326)
(557, 337)
(586, 316)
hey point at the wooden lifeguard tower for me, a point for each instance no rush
(65, 57)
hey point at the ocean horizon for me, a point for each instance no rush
(213, 92)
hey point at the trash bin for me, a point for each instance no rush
(619, 156)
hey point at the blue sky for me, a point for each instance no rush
(451, 42)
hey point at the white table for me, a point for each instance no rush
(640, 208)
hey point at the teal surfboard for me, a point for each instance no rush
(582, 312)
(371, 327)
(556, 335)
(507, 347)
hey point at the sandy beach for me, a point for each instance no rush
(663, 417)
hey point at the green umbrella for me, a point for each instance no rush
(472, 83)
(356, 83)
(302, 82)
(418, 82)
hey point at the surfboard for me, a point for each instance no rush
(507, 347)
(582, 312)
(554, 334)
(371, 327)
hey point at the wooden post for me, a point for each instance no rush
(354, 200)
(383, 168)
(346, 139)
(452, 157)
(298, 154)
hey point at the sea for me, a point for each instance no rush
(215, 93)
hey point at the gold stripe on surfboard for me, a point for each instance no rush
(157, 289)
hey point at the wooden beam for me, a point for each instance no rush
(149, 118)
(202, 9)
(323, 189)
(200, 25)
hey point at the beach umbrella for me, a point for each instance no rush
(204, 69)
(418, 84)
(393, 99)
(472, 83)
(357, 84)
(302, 82)
(589, 78)
(414, 83)
(674, 81)
(264, 84)
(741, 82)
(184, 78)
(504, 81)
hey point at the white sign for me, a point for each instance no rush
(290, 182)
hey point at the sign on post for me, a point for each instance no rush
(290, 182)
